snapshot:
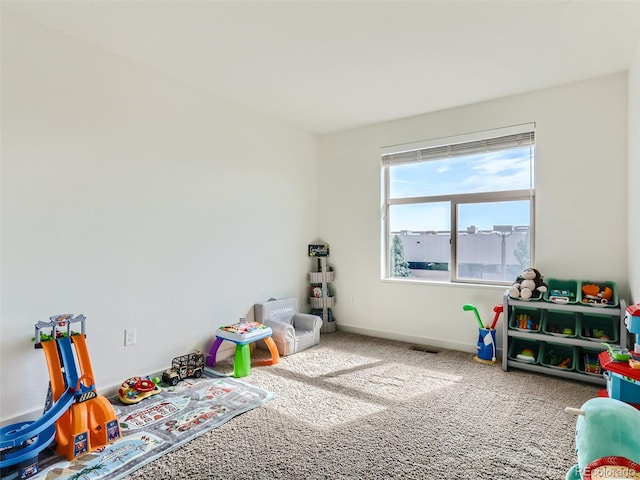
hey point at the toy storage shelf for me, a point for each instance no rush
(322, 278)
(542, 339)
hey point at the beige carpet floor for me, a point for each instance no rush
(357, 407)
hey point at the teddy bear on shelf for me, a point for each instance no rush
(529, 285)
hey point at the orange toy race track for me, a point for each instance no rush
(91, 422)
(77, 418)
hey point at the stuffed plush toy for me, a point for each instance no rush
(528, 286)
(607, 441)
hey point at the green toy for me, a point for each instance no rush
(618, 353)
(470, 308)
(607, 441)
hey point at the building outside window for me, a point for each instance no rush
(460, 209)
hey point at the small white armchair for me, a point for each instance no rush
(292, 331)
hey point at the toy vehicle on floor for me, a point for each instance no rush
(184, 366)
(135, 389)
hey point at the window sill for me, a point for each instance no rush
(435, 283)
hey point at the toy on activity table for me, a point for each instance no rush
(617, 352)
(75, 416)
(530, 285)
(136, 389)
(607, 440)
(486, 334)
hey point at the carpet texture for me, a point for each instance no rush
(357, 407)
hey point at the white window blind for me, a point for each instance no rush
(462, 145)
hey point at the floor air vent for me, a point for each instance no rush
(422, 348)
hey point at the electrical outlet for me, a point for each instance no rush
(129, 336)
(353, 299)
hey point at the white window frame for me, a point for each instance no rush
(441, 148)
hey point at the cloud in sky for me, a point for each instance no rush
(496, 171)
(491, 172)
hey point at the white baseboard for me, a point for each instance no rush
(413, 339)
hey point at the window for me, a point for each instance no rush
(460, 209)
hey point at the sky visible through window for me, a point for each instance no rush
(489, 172)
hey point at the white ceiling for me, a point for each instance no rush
(326, 66)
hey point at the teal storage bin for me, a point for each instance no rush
(599, 328)
(562, 291)
(561, 324)
(588, 362)
(561, 357)
(598, 303)
(516, 347)
(526, 319)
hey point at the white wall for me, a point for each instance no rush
(581, 207)
(634, 177)
(140, 203)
